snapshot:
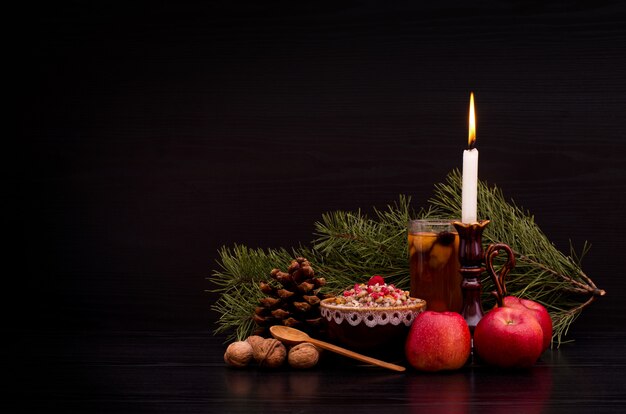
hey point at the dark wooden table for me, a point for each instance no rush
(149, 372)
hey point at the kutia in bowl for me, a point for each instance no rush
(372, 317)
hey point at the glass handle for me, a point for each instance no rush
(499, 278)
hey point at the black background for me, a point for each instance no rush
(151, 134)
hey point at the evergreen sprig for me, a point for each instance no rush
(542, 273)
(351, 246)
(237, 282)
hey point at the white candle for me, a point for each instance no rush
(470, 172)
(470, 186)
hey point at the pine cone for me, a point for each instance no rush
(295, 303)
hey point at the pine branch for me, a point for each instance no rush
(237, 281)
(350, 246)
(355, 246)
(543, 273)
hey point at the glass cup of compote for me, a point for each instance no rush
(434, 264)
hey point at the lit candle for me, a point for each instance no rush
(470, 171)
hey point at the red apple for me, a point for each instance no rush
(508, 338)
(538, 310)
(438, 341)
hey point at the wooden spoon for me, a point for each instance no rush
(293, 336)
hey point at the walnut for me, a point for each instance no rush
(269, 352)
(255, 341)
(238, 354)
(303, 355)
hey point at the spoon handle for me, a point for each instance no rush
(359, 357)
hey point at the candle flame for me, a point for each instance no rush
(471, 139)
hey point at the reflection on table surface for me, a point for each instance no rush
(346, 384)
(172, 372)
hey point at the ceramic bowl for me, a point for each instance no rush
(369, 328)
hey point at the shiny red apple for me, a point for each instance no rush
(538, 310)
(438, 341)
(508, 338)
